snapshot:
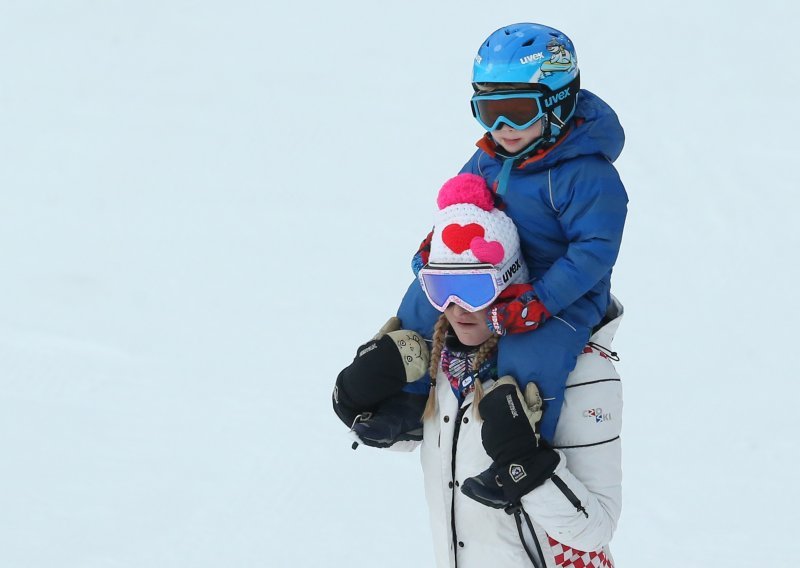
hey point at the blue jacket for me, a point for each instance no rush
(569, 207)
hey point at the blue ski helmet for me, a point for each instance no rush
(532, 57)
(526, 53)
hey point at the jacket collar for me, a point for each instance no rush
(488, 145)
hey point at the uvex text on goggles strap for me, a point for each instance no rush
(471, 286)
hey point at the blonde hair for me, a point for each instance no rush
(484, 351)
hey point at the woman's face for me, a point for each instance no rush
(470, 327)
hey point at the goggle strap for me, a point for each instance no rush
(572, 88)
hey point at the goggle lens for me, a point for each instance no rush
(518, 111)
(475, 291)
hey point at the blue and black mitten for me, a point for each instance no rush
(397, 419)
(368, 396)
(521, 460)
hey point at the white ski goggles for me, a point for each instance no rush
(471, 286)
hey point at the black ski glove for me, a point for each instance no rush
(380, 370)
(522, 461)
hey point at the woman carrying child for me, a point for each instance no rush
(499, 495)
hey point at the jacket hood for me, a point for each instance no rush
(596, 130)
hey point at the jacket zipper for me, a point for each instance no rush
(456, 430)
(569, 495)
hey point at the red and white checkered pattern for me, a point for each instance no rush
(572, 558)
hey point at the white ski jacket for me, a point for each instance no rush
(573, 514)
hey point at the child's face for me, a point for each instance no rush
(470, 327)
(516, 140)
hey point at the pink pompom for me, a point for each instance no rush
(466, 188)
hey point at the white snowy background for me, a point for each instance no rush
(207, 205)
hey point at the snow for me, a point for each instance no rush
(208, 205)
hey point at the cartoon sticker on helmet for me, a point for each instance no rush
(560, 61)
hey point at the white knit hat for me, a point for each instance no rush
(469, 229)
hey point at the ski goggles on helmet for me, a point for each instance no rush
(517, 109)
(471, 286)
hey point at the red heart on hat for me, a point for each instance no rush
(487, 251)
(458, 237)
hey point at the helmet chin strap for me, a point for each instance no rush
(558, 122)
